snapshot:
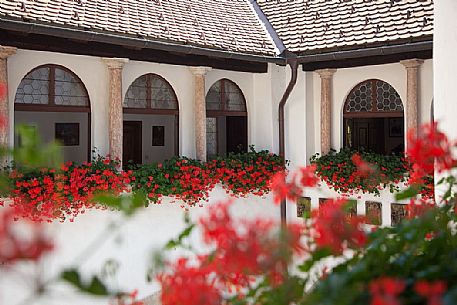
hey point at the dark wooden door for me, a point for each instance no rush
(237, 134)
(367, 134)
(132, 144)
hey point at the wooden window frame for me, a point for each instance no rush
(223, 107)
(149, 110)
(51, 105)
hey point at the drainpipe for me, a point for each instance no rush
(293, 63)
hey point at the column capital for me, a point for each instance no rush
(115, 63)
(6, 52)
(412, 63)
(326, 73)
(199, 70)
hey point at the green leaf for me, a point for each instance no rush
(410, 192)
(126, 203)
(94, 287)
(178, 242)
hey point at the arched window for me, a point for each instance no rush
(151, 91)
(52, 86)
(373, 118)
(151, 118)
(225, 96)
(226, 119)
(54, 101)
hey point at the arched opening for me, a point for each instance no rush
(373, 118)
(226, 119)
(151, 120)
(53, 100)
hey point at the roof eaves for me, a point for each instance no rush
(88, 34)
(408, 47)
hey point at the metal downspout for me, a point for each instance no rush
(293, 63)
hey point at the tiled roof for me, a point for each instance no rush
(216, 24)
(314, 26)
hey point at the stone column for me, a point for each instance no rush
(412, 72)
(200, 111)
(326, 109)
(115, 66)
(5, 52)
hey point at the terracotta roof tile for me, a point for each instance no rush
(220, 24)
(312, 26)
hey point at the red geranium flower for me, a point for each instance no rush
(385, 291)
(335, 229)
(432, 291)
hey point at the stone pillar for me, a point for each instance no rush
(200, 111)
(115, 66)
(326, 109)
(5, 52)
(412, 73)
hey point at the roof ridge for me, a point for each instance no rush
(268, 27)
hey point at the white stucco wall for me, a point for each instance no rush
(131, 246)
(445, 78)
(346, 79)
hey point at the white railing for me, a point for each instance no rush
(381, 209)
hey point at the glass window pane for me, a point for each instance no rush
(211, 137)
(225, 95)
(234, 99)
(69, 91)
(387, 98)
(162, 95)
(213, 98)
(136, 94)
(34, 88)
(361, 98)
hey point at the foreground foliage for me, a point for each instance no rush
(411, 264)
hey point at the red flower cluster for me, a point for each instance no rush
(352, 173)
(432, 291)
(364, 169)
(292, 189)
(29, 243)
(241, 178)
(52, 194)
(189, 182)
(385, 291)
(429, 149)
(336, 229)
(244, 250)
(190, 285)
(192, 181)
